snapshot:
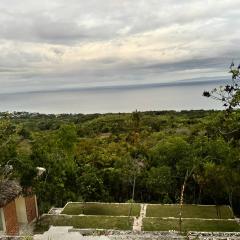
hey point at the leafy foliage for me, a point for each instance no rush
(99, 157)
(230, 93)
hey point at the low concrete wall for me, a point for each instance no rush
(11, 238)
(213, 235)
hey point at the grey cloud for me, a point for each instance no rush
(190, 64)
(44, 29)
(95, 20)
(206, 33)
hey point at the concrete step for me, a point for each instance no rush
(59, 233)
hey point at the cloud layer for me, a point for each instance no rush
(61, 44)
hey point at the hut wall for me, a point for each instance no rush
(21, 210)
(10, 215)
(31, 209)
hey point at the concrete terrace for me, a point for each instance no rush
(138, 219)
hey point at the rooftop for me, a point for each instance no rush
(9, 190)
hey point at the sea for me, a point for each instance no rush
(149, 97)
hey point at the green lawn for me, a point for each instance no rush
(159, 217)
(159, 224)
(107, 209)
(189, 211)
(99, 222)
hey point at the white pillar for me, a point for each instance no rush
(21, 210)
(3, 220)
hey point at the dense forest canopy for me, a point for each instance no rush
(99, 157)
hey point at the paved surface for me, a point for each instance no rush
(26, 229)
(137, 224)
(67, 233)
(59, 233)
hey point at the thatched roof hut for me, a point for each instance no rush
(9, 190)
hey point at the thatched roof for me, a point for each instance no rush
(9, 190)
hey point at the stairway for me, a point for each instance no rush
(137, 224)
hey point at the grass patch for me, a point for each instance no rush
(100, 222)
(189, 211)
(159, 224)
(107, 209)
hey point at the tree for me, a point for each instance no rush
(67, 136)
(228, 128)
(90, 184)
(230, 93)
(187, 176)
(8, 139)
(159, 182)
(5, 172)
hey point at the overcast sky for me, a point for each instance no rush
(58, 44)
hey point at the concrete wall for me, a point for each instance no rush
(21, 210)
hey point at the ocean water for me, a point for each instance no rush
(112, 99)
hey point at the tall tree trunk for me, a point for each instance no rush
(181, 202)
(230, 198)
(199, 196)
(187, 175)
(133, 194)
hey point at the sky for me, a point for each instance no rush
(59, 44)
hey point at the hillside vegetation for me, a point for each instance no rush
(103, 157)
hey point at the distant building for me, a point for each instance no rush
(16, 210)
